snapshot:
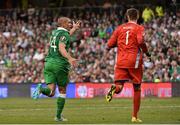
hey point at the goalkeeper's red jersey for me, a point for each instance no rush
(128, 38)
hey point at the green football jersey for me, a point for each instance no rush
(54, 56)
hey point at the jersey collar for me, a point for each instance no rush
(61, 28)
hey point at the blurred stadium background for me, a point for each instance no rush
(24, 29)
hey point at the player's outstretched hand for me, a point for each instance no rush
(77, 24)
(73, 62)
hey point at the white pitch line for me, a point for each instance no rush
(93, 107)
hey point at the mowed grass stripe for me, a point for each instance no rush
(91, 108)
(89, 111)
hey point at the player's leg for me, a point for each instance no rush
(115, 89)
(50, 79)
(60, 104)
(136, 75)
(62, 83)
(49, 90)
(121, 76)
(119, 84)
(136, 102)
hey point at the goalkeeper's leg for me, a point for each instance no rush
(136, 77)
(136, 102)
(115, 89)
(121, 76)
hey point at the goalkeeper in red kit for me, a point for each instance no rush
(128, 38)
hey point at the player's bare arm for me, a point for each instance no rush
(64, 53)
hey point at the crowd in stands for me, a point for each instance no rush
(24, 37)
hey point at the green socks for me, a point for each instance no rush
(60, 106)
(45, 91)
(60, 101)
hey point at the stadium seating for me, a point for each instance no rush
(24, 37)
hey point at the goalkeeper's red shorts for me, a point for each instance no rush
(131, 74)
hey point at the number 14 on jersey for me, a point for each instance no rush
(53, 43)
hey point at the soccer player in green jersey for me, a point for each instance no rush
(58, 63)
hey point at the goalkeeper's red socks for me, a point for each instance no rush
(118, 89)
(136, 102)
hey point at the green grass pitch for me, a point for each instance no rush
(85, 111)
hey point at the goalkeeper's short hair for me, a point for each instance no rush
(132, 13)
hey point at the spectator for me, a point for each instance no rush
(159, 11)
(147, 14)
